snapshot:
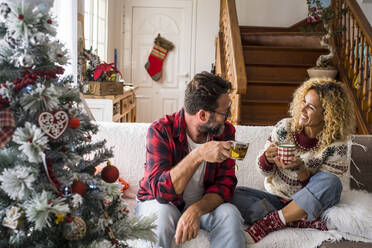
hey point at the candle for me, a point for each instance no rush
(116, 57)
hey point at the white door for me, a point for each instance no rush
(144, 20)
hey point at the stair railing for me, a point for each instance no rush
(354, 52)
(229, 56)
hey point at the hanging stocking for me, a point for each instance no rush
(157, 56)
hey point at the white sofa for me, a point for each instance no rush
(129, 139)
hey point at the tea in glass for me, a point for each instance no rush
(238, 149)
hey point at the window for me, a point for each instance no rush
(95, 26)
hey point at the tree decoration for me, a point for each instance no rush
(7, 126)
(124, 183)
(66, 191)
(13, 217)
(74, 123)
(17, 182)
(74, 228)
(40, 207)
(59, 218)
(48, 164)
(25, 60)
(110, 173)
(53, 124)
(76, 201)
(32, 142)
(78, 187)
(38, 156)
(40, 98)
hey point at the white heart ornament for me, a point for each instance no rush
(54, 125)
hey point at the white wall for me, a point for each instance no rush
(115, 30)
(272, 13)
(66, 12)
(366, 6)
(207, 18)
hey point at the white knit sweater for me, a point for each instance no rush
(284, 182)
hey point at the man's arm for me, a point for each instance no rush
(189, 223)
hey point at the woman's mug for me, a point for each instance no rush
(286, 151)
(238, 149)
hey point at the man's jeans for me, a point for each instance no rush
(224, 224)
(323, 191)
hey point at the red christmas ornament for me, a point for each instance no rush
(110, 173)
(78, 187)
(74, 123)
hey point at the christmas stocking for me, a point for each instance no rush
(157, 56)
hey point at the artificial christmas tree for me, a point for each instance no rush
(49, 195)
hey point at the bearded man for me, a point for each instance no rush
(189, 176)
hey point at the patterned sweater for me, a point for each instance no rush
(284, 182)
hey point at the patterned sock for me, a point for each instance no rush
(315, 224)
(264, 226)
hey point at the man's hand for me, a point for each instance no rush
(271, 152)
(188, 225)
(215, 151)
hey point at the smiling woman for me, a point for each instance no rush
(308, 182)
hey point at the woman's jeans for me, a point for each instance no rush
(323, 191)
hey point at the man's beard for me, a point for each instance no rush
(212, 127)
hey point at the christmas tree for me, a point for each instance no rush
(49, 193)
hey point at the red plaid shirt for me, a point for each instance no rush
(166, 146)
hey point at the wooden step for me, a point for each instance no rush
(297, 27)
(276, 73)
(280, 40)
(256, 92)
(281, 55)
(274, 83)
(263, 111)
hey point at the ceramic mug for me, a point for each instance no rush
(286, 151)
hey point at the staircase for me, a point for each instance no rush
(266, 64)
(276, 60)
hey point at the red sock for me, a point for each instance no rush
(264, 226)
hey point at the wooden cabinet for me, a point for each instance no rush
(118, 108)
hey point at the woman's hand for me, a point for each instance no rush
(295, 164)
(272, 152)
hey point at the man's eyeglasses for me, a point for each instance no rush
(227, 114)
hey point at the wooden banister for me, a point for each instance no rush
(360, 18)
(229, 55)
(354, 58)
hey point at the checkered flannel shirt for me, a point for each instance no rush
(166, 146)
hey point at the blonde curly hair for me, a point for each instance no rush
(338, 114)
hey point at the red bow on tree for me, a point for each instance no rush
(104, 68)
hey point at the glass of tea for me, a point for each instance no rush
(238, 149)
